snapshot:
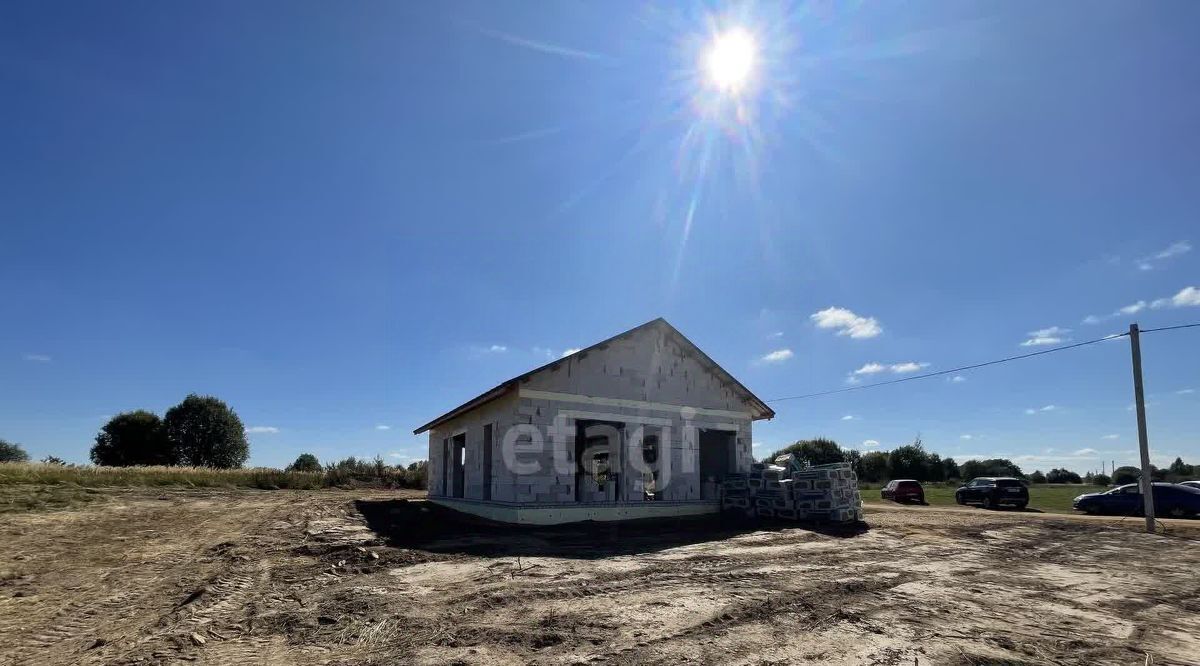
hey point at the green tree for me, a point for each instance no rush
(53, 460)
(204, 432)
(1126, 474)
(874, 466)
(1037, 477)
(990, 467)
(1180, 469)
(1102, 480)
(951, 468)
(854, 457)
(132, 438)
(12, 452)
(417, 475)
(935, 470)
(909, 462)
(1062, 476)
(819, 451)
(305, 462)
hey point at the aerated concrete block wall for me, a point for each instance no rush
(644, 381)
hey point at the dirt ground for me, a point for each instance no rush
(339, 577)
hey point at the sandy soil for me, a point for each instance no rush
(336, 577)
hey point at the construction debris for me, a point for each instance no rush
(793, 490)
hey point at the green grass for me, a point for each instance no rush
(1047, 497)
(87, 476)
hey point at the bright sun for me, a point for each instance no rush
(730, 59)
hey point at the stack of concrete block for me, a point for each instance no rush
(736, 493)
(822, 492)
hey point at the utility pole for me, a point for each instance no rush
(1139, 397)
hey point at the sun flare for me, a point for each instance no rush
(730, 60)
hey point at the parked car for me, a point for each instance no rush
(1190, 484)
(992, 492)
(903, 490)
(1170, 499)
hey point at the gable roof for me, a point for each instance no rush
(760, 408)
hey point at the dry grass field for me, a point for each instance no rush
(377, 577)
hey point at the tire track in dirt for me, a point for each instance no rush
(794, 606)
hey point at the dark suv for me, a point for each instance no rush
(992, 492)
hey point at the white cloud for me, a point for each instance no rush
(848, 417)
(777, 356)
(1092, 319)
(1132, 309)
(897, 368)
(1188, 296)
(1111, 437)
(903, 368)
(847, 323)
(37, 358)
(383, 427)
(1047, 408)
(1185, 391)
(1031, 411)
(852, 380)
(1173, 250)
(1086, 452)
(775, 335)
(957, 379)
(1046, 336)
(870, 443)
(497, 348)
(568, 352)
(1038, 342)
(543, 351)
(262, 430)
(965, 437)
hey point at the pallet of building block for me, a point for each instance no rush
(841, 515)
(735, 483)
(735, 503)
(790, 514)
(755, 484)
(774, 473)
(764, 502)
(764, 512)
(802, 485)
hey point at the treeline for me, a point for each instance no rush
(203, 433)
(912, 461)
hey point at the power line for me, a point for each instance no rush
(1169, 328)
(965, 367)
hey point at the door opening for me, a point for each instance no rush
(716, 460)
(487, 461)
(458, 462)
(598, 461)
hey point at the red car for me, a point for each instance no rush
(903, 490)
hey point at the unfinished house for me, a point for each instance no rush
(641, 425)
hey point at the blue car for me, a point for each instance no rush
(1170, 499)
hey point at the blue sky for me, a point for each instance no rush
(344, 220)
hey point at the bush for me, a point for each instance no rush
(53, 460)
(989, 467)
(305, 462)
(1062, 476)
(12, 452)
(133, 438)
(1037, 477)
(1126, 474)
(204, 432)
(1102, 480)
(819, 451)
